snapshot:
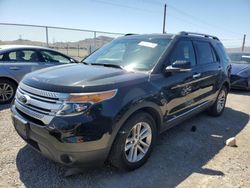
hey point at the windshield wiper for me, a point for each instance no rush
(84, 63)
(107, 65)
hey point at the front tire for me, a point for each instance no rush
(134, 142)
(7, 91)
(219, 105)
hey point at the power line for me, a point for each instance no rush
(194, 20)
(125, 6)
(234, 39)
(186, 21)
(204, 22)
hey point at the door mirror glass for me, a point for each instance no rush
(179, 66)
(182, 64)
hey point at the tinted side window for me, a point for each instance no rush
(6, 57)
(220, 48)
(12, 56)
(21, 56)
(51, 56)
(205, 53)
(183, 51)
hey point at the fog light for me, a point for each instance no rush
(67, 159)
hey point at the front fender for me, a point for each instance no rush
(135, 107)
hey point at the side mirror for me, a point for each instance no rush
(73, 61)
(179, 66)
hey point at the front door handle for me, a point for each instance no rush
(14, 68)
(196, 75)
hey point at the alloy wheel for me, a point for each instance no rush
(6, 92)
(221, 101)
(138, 142)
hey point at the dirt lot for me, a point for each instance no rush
(181, 158)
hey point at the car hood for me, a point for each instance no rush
(81, 78)
(236, 68)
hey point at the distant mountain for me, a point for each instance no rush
(246, 49)
(86, 43)
(25, 42)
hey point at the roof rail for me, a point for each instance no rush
(198, 34)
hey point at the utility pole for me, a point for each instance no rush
(47, 36)
(243, 43)
(164, 18)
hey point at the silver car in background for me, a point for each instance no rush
(18, 60)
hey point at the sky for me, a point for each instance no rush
(227, 19)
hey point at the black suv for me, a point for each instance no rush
(113, 105)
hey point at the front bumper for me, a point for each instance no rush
(238, 82)
(57, 146)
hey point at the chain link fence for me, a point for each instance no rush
(76, 43)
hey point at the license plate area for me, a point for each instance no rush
(22, 127)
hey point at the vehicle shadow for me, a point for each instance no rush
(4, 106)
(179, 152)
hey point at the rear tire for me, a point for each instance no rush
(7, 91)
(248, 88)
(134, 142)
(219, 105)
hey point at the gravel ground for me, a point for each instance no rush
(181, 158)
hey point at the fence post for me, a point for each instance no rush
(78, 50)
(90, 50)
(47, 36)
(94, 40)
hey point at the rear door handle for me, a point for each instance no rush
(14, 68)
(196, 75)
(219, 68)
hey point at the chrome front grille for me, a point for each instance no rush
(39, 104)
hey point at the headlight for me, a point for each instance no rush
(80, 102)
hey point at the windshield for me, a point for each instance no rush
(240, 58)
(130, 54)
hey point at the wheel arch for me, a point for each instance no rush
(227, 85)
(154, 113)
(10, 79)
(148, 107)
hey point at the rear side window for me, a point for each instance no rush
(205, 52)
(20, 56)
(183, 51)
(13, 56)
(220, 48)
(8, 56)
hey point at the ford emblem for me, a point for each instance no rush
(24, 99)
